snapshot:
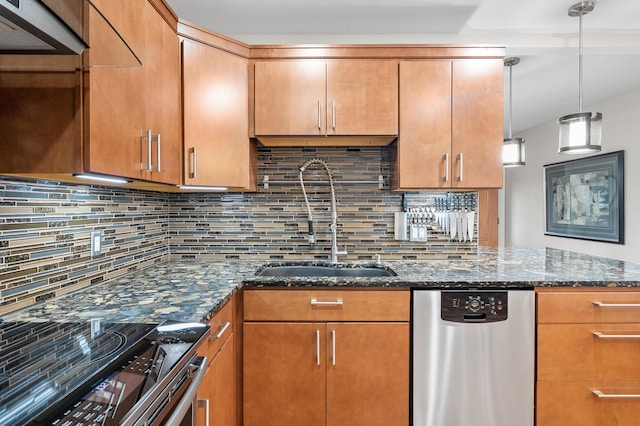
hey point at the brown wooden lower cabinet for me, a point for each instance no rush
(329, 373)
(217, 392)
(575, 403)
(588, 357)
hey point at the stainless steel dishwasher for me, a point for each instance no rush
(473, 357)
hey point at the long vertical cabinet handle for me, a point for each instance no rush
(319, 116)
(157, 139)
(194, 163)
(146, 138)
(446, 167)
(206, 409)
(333, 347)
(317, 347)
(333, 114)
(461, 159)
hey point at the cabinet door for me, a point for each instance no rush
(290, 98)
(218, 388)
(424, 144)
(284, 374)
(362, 97)
(477, 132)
(114, 108)
(217, 392)
(215, 93)
(367, 374)
(162, 99)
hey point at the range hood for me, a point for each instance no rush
(54, 34)
(31, 27)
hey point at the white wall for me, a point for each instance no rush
(522, 214)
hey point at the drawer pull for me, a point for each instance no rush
(617, 305)
(600, 335)
(315, 302)
(224, 325)
(601, 394)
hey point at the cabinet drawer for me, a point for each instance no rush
(221, 328)
(326, 305)
(574, 403)
(602, 351)
(588, 306)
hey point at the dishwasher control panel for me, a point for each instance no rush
(469, 306)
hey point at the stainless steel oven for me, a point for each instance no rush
(90, 374)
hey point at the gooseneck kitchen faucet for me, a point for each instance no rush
(334, 213)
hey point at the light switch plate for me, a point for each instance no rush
(96, 243)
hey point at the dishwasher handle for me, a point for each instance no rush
(475, 317)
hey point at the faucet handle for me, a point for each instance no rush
(344, 252)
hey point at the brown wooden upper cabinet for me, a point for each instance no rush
(215, 96)
(305, 97)
(451, 124)
(122, 121)
(133, 114)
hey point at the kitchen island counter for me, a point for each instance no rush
(195, 290)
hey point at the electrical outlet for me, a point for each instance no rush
(96, 243)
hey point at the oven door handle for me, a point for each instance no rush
(190, 394)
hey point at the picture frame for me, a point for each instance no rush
(584, 198)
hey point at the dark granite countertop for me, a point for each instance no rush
(196, 290)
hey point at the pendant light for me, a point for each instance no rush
(580, 133)
(512, 148)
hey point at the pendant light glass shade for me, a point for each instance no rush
(512, 148)
(513, 152)
(580, 133)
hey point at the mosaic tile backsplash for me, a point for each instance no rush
(45, 226)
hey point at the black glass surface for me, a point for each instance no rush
(42, 364)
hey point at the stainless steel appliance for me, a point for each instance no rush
(92, 373)
(473, 357)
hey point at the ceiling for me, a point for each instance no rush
(540, 33)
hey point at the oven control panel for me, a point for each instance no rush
(468, 306)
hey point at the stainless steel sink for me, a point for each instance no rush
(324, 271)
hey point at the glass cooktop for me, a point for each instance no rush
(43, 363)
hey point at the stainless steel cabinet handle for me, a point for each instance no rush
(601, 335)
(617, 305)
(225, 326)
(317, 347)
(315, 302)
(601, 394)
(206, 409)
(157, 138)
(319, 116)
(194, 162)
(461, 159)
(333, 347)
(146, 137)
(446, 167)
(333, 114)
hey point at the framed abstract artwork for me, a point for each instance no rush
(584, 198)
